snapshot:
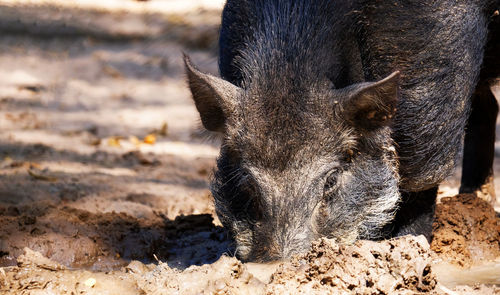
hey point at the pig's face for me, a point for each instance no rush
(297, 164)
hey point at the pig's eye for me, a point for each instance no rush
(331, 181)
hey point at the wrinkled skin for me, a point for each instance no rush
(311, 149)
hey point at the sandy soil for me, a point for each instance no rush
(104, 174)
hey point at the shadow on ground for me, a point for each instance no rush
(107, 210)
(195, 30)
(106, 241)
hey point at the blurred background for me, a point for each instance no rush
(112, 67)
(95, 115)
(81, 81)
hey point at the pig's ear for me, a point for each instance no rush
(214, 97)
(373, 105)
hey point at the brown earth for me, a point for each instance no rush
(466, 231)
(99, 254)
(399, 266)
(104, 175)
(396, 266)
(104, 241)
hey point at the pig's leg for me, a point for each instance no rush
(479, 146)
(415, 214)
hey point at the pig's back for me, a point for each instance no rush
(438, 47)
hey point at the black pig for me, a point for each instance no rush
(310, 147)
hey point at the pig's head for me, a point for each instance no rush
(299, 162)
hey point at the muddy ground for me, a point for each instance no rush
(104, 173)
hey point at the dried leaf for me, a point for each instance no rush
(7, 162)
(41, 177)
(112, 72)
(33, 88)
(133, 139)
(95, 141)
(138, 157)
(114, 141)
(163, 130)
(34, 165)
(150, 139)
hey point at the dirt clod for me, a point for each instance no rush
(367, 267)
(466, 230)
